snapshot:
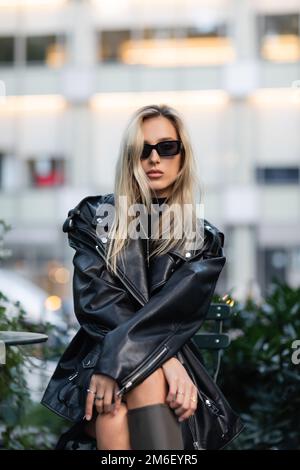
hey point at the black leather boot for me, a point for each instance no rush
(154, 427)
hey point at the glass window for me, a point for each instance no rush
(6, 50)
(284, 175)
(48, 50)
(1, 170)
(46, 172)
(273, 263)
(160, 33)
(279, 37)
(209, 30)
(207, 44)
(111, 43)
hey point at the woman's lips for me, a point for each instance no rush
(154, 175)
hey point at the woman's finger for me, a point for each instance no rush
(184, 410)
(107, 402)
(190, 405)
(171, 397)
(89, 403)
(117, 401)
(180, 397)
(99, 399)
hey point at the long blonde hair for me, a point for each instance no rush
(131, 181)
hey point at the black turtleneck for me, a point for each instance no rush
(155, 200)
(158, 200)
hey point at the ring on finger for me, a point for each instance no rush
(97, 397)
(91, 391)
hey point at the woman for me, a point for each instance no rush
(131, 377)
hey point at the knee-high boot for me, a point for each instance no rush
(153, 427)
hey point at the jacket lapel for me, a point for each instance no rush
(131, 266)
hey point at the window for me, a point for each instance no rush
(48, 50)
(160, 33)
(279, 37)
(10, 174)
(272, 264)
(282, 175)
(46, 172)
(111, 44)
(168, 46)
(6, 50)
(210, 30)
(1, 170)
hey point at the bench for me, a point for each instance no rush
(214, 341)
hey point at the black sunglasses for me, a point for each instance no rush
(168, 148)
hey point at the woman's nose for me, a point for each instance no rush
(154, 156)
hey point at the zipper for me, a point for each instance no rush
(192, 419)
(196, 442)
(131, 381)
(209, 403)
(148, 251)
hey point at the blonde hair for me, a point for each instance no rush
(131, 181)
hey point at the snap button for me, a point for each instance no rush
(99, 220)
(188, 254)
(103, 239)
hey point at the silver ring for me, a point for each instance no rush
(99, 398)
(90, 391)
(180, 393)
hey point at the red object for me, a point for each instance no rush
(53, 178)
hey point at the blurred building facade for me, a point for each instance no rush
(72, 72)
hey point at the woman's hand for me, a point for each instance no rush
(182, 396)
(102, 390)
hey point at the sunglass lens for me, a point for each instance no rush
(146, 151)
(169, 148)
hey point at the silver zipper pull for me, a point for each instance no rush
(123, 389)
(141, 371)
(73, 376)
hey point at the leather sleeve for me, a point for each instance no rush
(171, 317)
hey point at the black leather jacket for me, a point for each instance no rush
(130, 324)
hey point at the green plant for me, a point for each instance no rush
(23, 423)
(257, 371)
